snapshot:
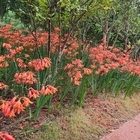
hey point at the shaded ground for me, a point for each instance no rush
(98, 117)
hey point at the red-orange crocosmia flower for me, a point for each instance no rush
(68, 66)
(3, 86)
(6, 108)
(13, 100)
(47, 90)
(19, 49)
(12, 113)
(116, 50)
(87, 71)
(56, 29)
(3, 62)
(6, 136)
(25, 77)
(2, 58)
(12, 53)
(52, 89)
(33, 93)
(14, 106)
(26, 101)
(7, 46)
(26, 55)
(18, 106)
(75, 71)
(40, 64)
(21, 63)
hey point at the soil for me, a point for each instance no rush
(98, 117)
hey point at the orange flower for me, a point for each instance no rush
(2, 102)
(6, 136)
(21, 63)
(25, 77)
(47, 62)
(103, 69)
(87, 71)
(19, 49)
(116, 50)
(77, 63)
(114, 65)
(40, 64)
(68, 66)
(77, 83)
(93, 66)
(52, 89)
(3, 86)
(26, 101)
(10, 108)
(3, 62)
(75, 71)
(33, 93)
(12, 53)
(56, 29)
(97, 72)
(12, 113)
(74, 46)
(47, 90)
(7, 46)
(12, 102)
(2, 58)
(26, 55)
(5, 108)
(18, 107)
(4, 65)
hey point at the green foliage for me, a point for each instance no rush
(10, 17)
(3, 7)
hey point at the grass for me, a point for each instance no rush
(72, 126)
